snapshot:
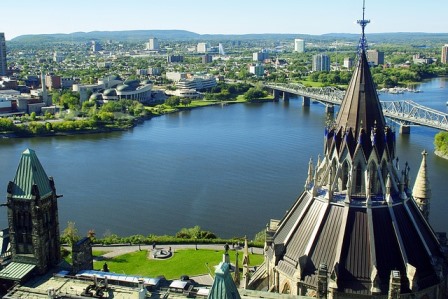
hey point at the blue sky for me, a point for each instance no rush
(222, 17)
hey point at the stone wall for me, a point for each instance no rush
(82, 256)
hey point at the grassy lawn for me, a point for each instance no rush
(187, 261)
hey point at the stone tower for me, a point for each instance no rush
(33, 215)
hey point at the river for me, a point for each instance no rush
(228, 169)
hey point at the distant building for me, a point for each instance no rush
(197, 83)
(96, 46)
(141, 72)
(53, 82)
(153, 44)
(3, 66)
(299, 45)
(444, 58)
(321, 62)
(175, 58)
(348, 62)
(419, 59)
(175, 76)
(203, 48)
(154, 71)
(257, 69)
(58, 57)
(375, 57)
(104, 64)
(207, 58)
(261, 55)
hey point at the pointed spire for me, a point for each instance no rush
(309, 178)
(422, 190)
(236, 273)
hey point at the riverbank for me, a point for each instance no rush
(19, 129)
(441, 155)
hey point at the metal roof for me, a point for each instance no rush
(16, 271)
(30, 172)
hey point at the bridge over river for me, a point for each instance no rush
(406, 113)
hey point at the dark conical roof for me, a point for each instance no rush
(361, 107)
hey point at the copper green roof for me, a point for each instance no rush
(223, 285)
(30, 172)
(16, 271)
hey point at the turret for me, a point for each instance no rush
(422, 191)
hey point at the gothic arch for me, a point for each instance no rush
(286, 288)
(373, 177)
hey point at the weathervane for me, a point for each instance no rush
(363, 23)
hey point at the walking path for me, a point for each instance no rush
(116, 250)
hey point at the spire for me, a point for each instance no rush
(30, 180)
(361, 106)
(363, 23)
(422, 191)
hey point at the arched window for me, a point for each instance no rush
(384, 171)
(286, 288)
(344, 177)
(374, 180)
(358, 178)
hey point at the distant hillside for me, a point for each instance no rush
(129, 35)
(144, 35)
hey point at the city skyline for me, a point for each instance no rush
(232, 17)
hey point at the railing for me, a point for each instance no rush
(404, 112)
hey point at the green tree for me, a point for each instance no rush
(70, 234)
(173, 101)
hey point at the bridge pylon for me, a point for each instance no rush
(405, 129)
(305, 101)
(329, 109)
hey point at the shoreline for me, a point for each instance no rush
(440, 154)
(136, 121)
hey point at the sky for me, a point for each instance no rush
(222, 17)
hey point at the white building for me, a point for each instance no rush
(257, 70)
(175, 76)
(58, 57)
(348, 62)
(203, 47)
(153, 44)
(299, 45)
(197, 83)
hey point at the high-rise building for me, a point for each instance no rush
(348, 62)
(96, 46)
(3, 66)
(257, 69)
(221, 49)
(153, 44)
(261, 55)
(444, 58)
(358, 229)
(375, 57)
(203, 47)
(321, 62)
(299, 45)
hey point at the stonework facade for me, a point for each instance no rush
(33, 215)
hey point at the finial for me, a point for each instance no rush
(363, 23)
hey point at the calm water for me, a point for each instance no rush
(228, 169)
